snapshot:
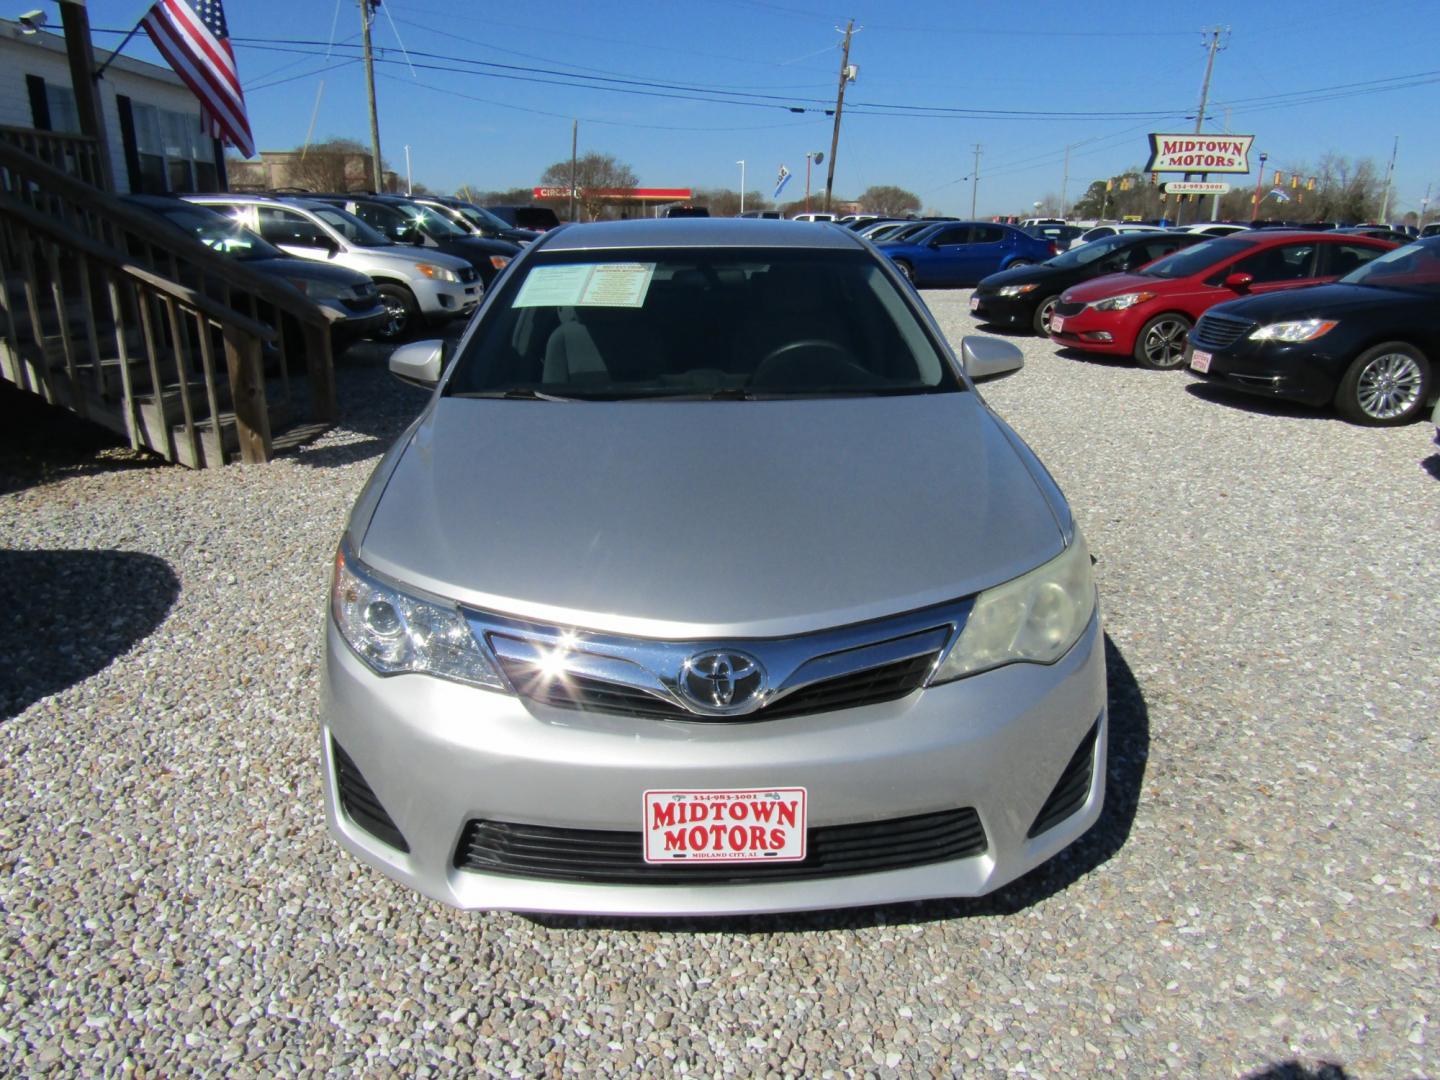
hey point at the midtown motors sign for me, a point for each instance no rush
(1200, 153)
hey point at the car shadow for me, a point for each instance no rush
(1236, 399)
(1294, 1070)
(1004, 330)
(68, 614)
(1098, 359)
(1432, 465)
(1129, 749)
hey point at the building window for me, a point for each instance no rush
(174, 154)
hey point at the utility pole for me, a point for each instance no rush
(574, 144)
(409, 181)
(367, 12)
(845, 77)
(1425, 202)
(975, 181)
(1214, 47)
(1389, 175)
(741, 163)
(1065, 183)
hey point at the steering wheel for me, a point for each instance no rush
(827, 346)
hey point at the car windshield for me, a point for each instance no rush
(681, 324)
(1086, 254)
(483, 218)
(433, 223)
(910, 233)
(223, 235)
(1197, 259)
(1412, 268)
(351, 228)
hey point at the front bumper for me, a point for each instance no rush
(1273, 370)
(1004, 310)
(437, 755)
(441, 299)
(1087, 330)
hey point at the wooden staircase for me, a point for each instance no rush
(109, 312)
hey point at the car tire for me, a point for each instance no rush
(1386, 385)
(906, 270)
(1020, 262)
(1160, 345)
(400, 304)
(1041, 322)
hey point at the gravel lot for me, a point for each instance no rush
(1262, 897)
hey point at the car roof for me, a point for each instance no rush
(301, 202)
(699, 232)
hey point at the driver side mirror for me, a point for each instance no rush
(1240, 282)
(419, 363)
(989, 358)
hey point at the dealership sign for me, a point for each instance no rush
(642, 194)
(1200, 153)
(1195, 187)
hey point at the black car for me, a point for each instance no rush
(1025, 297)
(406, 221)
(1368, 343)
(476, 219)
(539, 218)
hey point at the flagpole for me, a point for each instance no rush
(116, 51)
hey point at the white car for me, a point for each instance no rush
(815, 217)
(1112, 230)
(1210, 228)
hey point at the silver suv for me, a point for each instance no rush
(413, 284)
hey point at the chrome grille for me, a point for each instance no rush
(1219, 331)
(843, 668)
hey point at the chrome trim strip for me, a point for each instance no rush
(655, 667)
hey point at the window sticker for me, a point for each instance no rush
(587, 285)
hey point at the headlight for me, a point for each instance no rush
(1300, 330)
(395, 632)
(1032, 619)
(499, 262)
(439, 273)
(1017, 290)
(320, 290)
(1123, 301)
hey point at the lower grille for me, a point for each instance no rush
(1065, 310)
(888, 682)
(1218, 331)
(469, 274)
(538, 851)
(360, 804)
(1072, 789)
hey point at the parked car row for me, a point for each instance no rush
(1337, 317)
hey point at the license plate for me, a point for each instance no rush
(1056, 324)
(1200, 361)
(974, 303)
(764, 825)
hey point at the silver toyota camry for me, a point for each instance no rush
(708, 583)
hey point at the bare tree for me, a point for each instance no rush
(594, 175)
(332, 165)
(889, 200)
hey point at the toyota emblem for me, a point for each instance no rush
(723, 681)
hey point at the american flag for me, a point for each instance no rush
(191, 35)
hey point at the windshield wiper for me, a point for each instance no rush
(517, 393)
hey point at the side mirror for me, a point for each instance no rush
(1238, 282)
(989, 358)
(419, 363)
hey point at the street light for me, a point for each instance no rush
(1259, 183)
(741, 163)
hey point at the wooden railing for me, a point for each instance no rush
(110, 312)
(74, 155)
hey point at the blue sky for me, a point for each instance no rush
(1101, 61)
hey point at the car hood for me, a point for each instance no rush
(708, 519)
(1115, 284)
(478, 247)
(307, 270)
(405, 256)
(1023, 275)
(1316, 300)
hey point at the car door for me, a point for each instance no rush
(938, 257)
(1277, 267)
(294, 233)
(985, 253)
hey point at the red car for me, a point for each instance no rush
(1148, 313)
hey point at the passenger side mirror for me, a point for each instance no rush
(420, 363)
(989, 358)
(1240, 282)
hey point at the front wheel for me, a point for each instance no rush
(1041, 322)
(1160, 344)
(1386, 385)
(1020, 262)
(401, 308)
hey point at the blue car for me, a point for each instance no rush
(963, 252)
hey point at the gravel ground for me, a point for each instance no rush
(1261, 898)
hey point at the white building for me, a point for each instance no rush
(152, 120)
